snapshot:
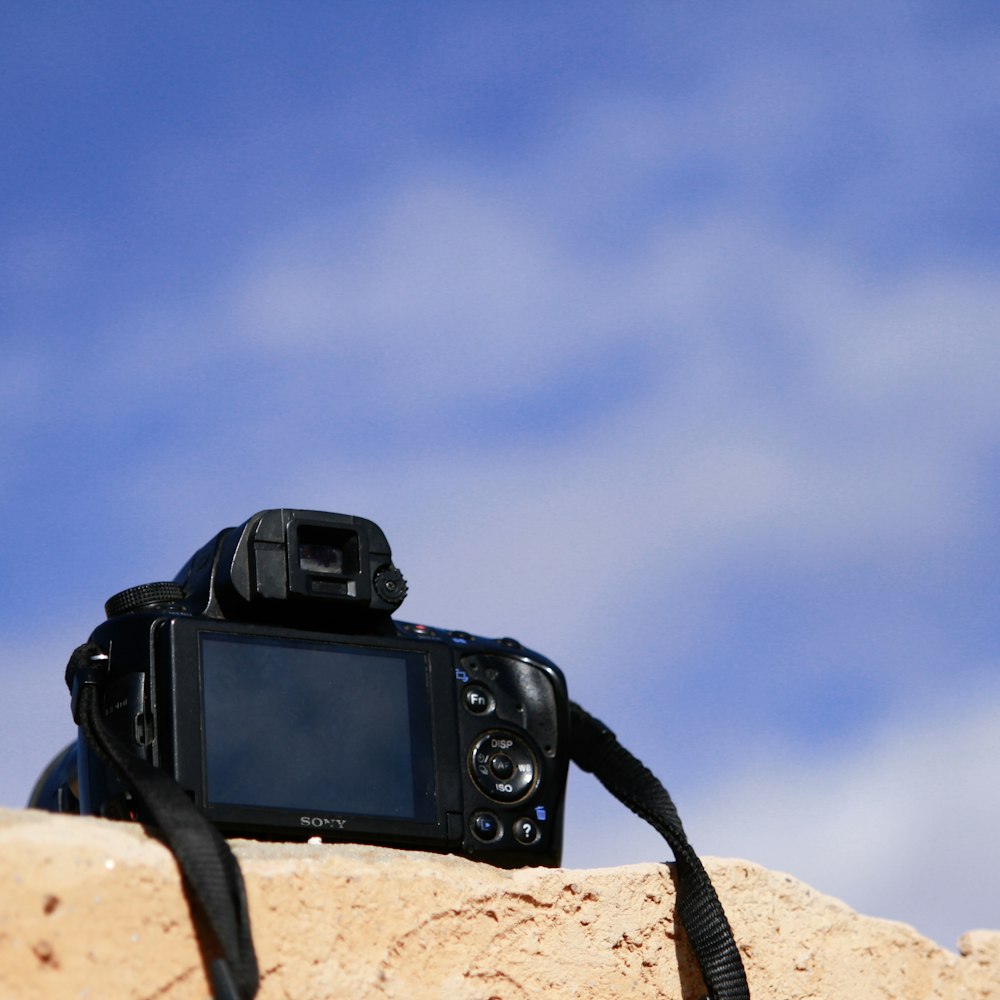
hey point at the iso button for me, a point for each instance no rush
(503, 766)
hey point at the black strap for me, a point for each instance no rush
(595, 749)
(215, 882)
(210, 870)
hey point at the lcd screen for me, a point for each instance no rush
(317, 727)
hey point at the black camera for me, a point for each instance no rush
(270, 680)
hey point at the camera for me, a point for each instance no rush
(271, 682)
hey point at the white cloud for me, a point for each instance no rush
(793, 407)
(762, 426)
(37, 721)
(900, 826)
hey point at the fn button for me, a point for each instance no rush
(476, 700)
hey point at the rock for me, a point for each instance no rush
(91, 908)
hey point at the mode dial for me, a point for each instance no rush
(146, 595)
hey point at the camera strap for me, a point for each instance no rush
(594, 748)
(215, 884)
(211, 873)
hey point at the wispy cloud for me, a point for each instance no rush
(664, 342)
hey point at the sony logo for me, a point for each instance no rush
(323, 822)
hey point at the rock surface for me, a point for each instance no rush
(90, 908)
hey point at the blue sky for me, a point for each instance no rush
(663, 338)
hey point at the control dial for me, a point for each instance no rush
(390, 585)
(503, 766)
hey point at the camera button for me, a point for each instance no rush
(485, 826)
(419, 630)
(525, 831)
(476, 700)
(501, 765)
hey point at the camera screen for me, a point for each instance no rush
(317, 727)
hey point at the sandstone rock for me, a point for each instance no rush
(95, 909)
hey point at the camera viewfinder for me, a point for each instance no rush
(331, 551)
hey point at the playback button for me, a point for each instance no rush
(503, 766)
(485, 826)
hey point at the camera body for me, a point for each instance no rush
(270, 680)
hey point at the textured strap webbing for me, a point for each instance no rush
(594, 748)
(215, 883)
(210, 870)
